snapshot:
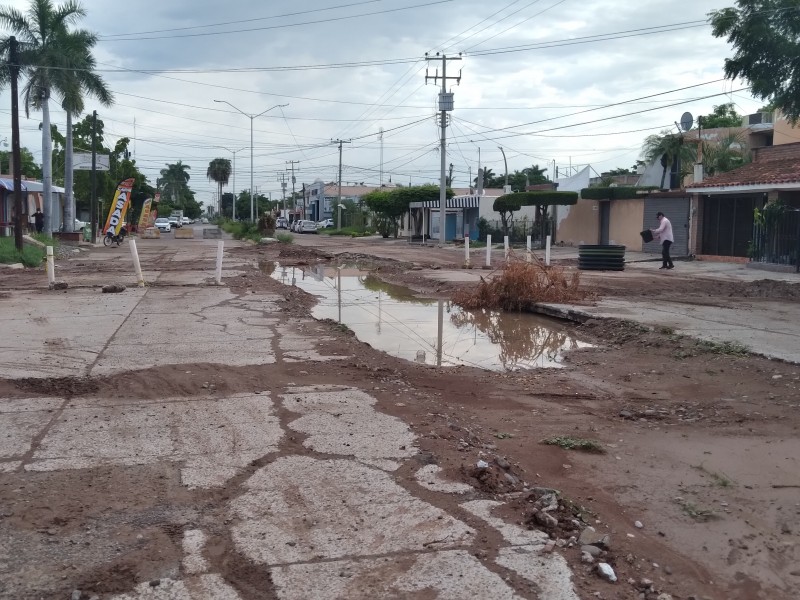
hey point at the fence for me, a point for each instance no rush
(777, 241)
(519, 232)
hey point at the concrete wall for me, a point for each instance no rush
(581, 224)
(626, 221)
(783, 132)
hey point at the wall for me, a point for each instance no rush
(783, 132)
(786, 151)
(581, 224)
(626, 220)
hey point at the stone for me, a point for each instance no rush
(502, 463)
(663, 597)
(113, 289)
(592, 550)
(587, 558)
(18, 266)
(545, 519)
(605, 571)
(591, 537)
(76, 595)
(59, 285)
(638, 524)
(155, 582)
(626, 414)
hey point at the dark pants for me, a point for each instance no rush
(666, 261)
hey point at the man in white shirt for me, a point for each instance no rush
(664, 233)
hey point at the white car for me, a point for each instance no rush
(325, 223)
(79, 225)
(174, 222)
(186, 221)
(307, 227)
(163, 224)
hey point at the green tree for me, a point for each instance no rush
(48, 53)
(507, 205)
(724, 115)
(619, 171)
(219, 171)
(764, 36)
(175, 183)
(389, 207)
(665, 148)
(28, 165)
(725, 154)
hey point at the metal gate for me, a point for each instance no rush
(677, 211)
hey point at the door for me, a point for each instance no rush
(677, 211)
(605, 222)
(451, 223)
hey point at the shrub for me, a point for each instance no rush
(284, 237)
(31, 256)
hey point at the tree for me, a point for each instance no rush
(666, 148)
(507, 205)
(389, 207)
(219, 171)
(764, 35)
(28, 164)
(619, 171)
(726, 154)
(724, 115)
(175, 183)
(47, 48)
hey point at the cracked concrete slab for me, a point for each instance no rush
(513, 534)
(430, 478)
(447, 575)
(21, 420)
(203, 587)
(345, 422)
(194, 541)
(300, 509)
(214, 438)
(549, 572)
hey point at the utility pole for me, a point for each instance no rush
(380, 137)
(445, 106)
(505, 187)
(294, 181)
(94, 177)
(13, 67)
(282, 181)
(339, 195)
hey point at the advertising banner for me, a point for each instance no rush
(144, 218)
(120, 205)
(154, 210)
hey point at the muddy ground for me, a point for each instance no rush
(688, 435)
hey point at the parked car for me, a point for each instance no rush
(204, 221)
(281, 223)
(79, 225)
(305, 226)
(174, 222)
(163, 224)
(186, 221)
(325, 223)
(293, 225)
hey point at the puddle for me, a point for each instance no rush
(435, 332)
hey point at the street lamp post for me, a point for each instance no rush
(251, 117)
(340, 215)
(233, 205)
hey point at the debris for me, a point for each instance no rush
(591, 537)
(482, 464)
(76, 595)
(638, 524)
(59, 285)
(606, 572)
(592, 550)
(113, 288)
(587, 558)
(545, 519)
(502, 463)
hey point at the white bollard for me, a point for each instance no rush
(51, 266)
(220, 246)
(505, 244)
(466, 250)
(547, 252)
(136, 264)
(339, 290)
(528, 246)
(488, 251)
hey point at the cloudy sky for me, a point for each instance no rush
(537, 78)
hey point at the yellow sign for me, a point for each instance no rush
(120, 205)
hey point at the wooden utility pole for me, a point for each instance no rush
(13, 66)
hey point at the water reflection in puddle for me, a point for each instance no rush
(436, 332)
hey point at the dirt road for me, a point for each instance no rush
(189, 441)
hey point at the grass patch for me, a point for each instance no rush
(241, 230)
(718, 479)
(572, 443)
(31, 256)
(346, 231)
(727, 348)
(284, 238)
(701, 515)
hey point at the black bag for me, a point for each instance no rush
(647, 235)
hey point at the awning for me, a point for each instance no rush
(8, 184)
(471, 201)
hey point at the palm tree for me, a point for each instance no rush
(728, 153)
(666, 147)
(176, 180)
(46, 47)
(73, 85)
(219, 170)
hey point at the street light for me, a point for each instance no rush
(341, 206)
(233, 205)
(251, 117)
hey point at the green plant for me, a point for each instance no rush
(284, 237)
(719, 479)
(266, 222)
(727, 348)
(31, 256)
(572, 443)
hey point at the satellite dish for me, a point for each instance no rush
(687, 120)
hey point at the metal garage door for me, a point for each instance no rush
(677, 211)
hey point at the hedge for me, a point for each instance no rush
(542, 198)
(615, 193)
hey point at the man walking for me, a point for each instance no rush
(664, 233)
(38, 219)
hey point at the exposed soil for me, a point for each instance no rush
(690, 431)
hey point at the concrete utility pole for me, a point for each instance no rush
(94, 177)
(16, 174)
(505, 188)
(445, 106)
(380, 137)
(294, 180)
(339, 195)
(282, 181)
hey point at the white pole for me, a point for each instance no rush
(51, 266)
(505, 244)
(488, 250)
(440, 323)
(339, 290)
(528, 253)
(136, 264)
(547, 252)
(423, 226)
(220, 246)
(466, 250)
